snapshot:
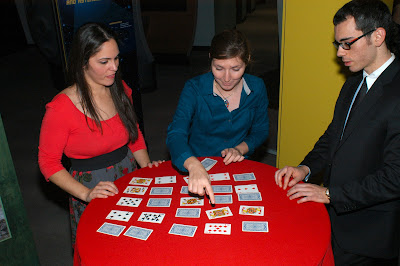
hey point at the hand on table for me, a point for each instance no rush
(199, 182)
(308, 192)
(102, 190)
(232, 155)
(155, 163)
(290, 176)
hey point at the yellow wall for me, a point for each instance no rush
(311, 76)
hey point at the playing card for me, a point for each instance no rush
(161, 191)
(217, 229)
(157, 202)
(111, 229)
(130, 202)
(135, 190)
(141, 181)
(192, 201)
(222, 189)
(219, 177)
(184, 190)
(208, 163)
(223, 199)
(165, 180)
(151, 217)
(183, 230)
(248, 226)
(188, 212)
(138, 232)
(246, 189)
(219, 213)
(251, 210)
(119, 215)
(244, 177)
(250, 196)
(186, 178)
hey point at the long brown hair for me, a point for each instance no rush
(87, 42)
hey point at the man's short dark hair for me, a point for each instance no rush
(369, 15)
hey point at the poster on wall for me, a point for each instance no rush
(117, 14)
(5, 232)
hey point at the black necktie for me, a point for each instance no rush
(360, 95)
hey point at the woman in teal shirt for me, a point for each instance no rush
(221, 113)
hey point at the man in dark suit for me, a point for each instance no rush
(359, 153)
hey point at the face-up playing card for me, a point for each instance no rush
(219, 177)
(246, 189)
(251, 210)
(250, 226)
(161, 191)
(183, 230)
(219, 213)
(111, 229)
(141, 181)
(223, 199)
(130, 202)
(250, 196)
(192, 201)
(208, 163)
(138, 232)
(157, 202)
(186, 178)
(244, 177)
(151, 217)
(188, 212)
(135, 190)
(222, 189)
(119, 215)
(184, 190)
(217, 229)
(165, 180)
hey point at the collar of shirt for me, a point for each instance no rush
(245, 86)
(371, 78)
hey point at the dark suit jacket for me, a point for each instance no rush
(362, 170)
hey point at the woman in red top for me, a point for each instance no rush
(92, 122)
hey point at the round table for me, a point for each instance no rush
(299, 234)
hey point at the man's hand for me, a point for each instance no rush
(308, 192)
(290, 176)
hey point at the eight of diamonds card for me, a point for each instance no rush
(141, 181)
(192, 201)
(250, 196)
(165, 180)
(151, 217)
(157, 202)
(219, 177)
(244, 177)
(219, 213)
(248, 226)
(208, 163)
(188, 212)
(130, 202)
(161, 191)
(246, 189)
(111, 229)
(251, 210)
(183, 230)
(217, 229)
(138, 232)
(135, 190)
(119, 215)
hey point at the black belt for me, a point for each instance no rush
(101, 161)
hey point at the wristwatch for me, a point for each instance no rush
(327, 194)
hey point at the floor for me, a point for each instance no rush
(28, 88)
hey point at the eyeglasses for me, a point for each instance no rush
(347, 45)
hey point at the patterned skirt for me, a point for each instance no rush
(90, 179)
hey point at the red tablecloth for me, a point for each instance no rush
(299, 234)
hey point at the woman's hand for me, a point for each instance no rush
(199, 182)
(232, 155)
(155, 163)
(102, 190)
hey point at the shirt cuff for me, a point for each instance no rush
(309, 172)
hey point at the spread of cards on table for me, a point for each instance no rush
(190, 207)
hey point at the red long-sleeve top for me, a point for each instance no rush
(65, 130)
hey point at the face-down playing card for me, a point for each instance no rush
(161, 191)
(250, 226)
(208, 163)
(138, 232)
(111, 229)
(244, 177)
(117, 215)
(159, 202)
(223, 199)
(222, 188)
(129, 202)
(188, 212)
(250, 196)
(217, 229)
(183, 230)
(151, 217)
